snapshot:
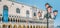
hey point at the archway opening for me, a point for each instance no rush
(5, 13)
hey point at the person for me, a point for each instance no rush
(45, 12)
(49, 11)
(47, 5)
(40, 15)
(55, 12)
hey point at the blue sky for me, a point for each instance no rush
(41, 4)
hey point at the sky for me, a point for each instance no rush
(41, 4)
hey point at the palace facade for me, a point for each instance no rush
(19, 15)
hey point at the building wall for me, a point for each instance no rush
(12, 11)
(23, 8)
(12, 8)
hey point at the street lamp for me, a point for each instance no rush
(55, 12)
(47, 7)
(49, 10)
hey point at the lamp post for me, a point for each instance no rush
(47, 5)
(49, 10)
(55, 12)
(47, 19)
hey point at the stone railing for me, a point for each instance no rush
(25, 20)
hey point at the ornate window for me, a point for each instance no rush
(27, 13)
(12, 3)
(17, 10)
(5, 13)
(34, 14)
